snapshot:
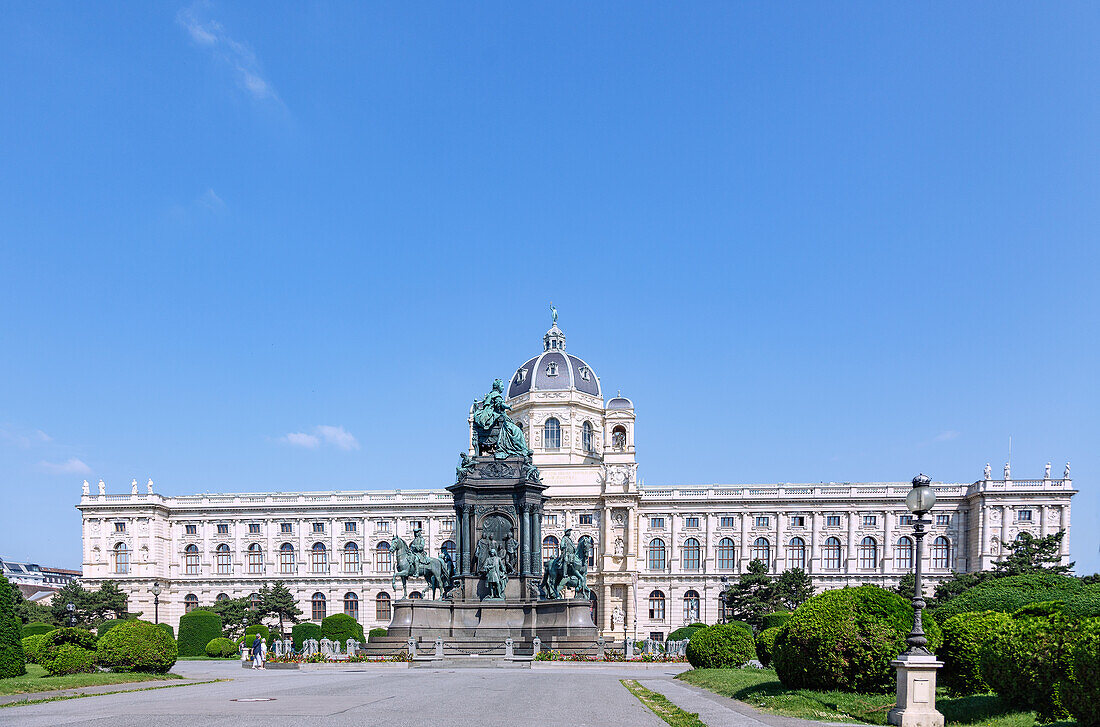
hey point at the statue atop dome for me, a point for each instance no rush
(494, 431)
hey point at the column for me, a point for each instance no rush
(851, 563)
(983, 527)
(631, 531)
(780, 547)
(887, 545)
(815, 535)
(745, 553)
(605, 607)
(1042, 521)
(629, 609)
(464, 530)
(525, 541)
(536, 549)
(1063, 523)
(1004, 528)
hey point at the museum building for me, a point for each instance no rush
(663, 554)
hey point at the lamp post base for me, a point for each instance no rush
(916, 705)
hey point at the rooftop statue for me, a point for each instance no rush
(496, 433)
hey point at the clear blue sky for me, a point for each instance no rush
(813, 242)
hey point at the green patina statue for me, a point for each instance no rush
(494, 430)
(496, 576)
(412, 561)
(569, 569)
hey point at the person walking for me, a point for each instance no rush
(257, 657)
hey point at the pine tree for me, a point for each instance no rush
(237, 614)
(1028, 554)
(13, 662)
(279, 601)
(907, 585)
(753, 596)
(74, 593)
(793, 588)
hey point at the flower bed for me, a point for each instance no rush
(609, 656)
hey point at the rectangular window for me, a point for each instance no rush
(905, 520)
(349, 527)
(448, 524)
(190, 529)
(798, 521)
(120, 527)
(223, 529)
(832, 521)
(943, 519)
(657, 523)
(551, 520)
(726, 522)
(383, 526)
(585, 518)
(691, 522)
(762, 521)
(318, 527)
(869, 521)
(1025, 515)
(253, 528)
(415, 524)
(285, 528)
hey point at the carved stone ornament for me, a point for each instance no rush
(481, 509)
(496, 471)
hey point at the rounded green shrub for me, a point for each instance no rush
(1081, 691)
(378, 632)
(37, 628)
(1080, 599)
(167, 628)
(304, 631)
(341, 627)
(684, 632)
(67, 651)
(137, 646)
(765, 643)
(32, 646)
(964, 636)
(222, 647)
(1027, 662)
(775, 620)
(12, 660)
(720, 646)
(106, 626)
(197, 628)
(845, 639)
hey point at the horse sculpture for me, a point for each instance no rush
(559, 574)
(435, 572)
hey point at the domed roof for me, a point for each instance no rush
(620, 402)
(554, 370)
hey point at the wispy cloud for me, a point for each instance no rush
(23, 439)
(210, 34)
(946, 436)
(71, 466)
(322, 434)
(211, 201)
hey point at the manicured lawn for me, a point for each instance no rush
(35, 680)
(763, 690)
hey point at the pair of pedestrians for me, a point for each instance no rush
(259, 653)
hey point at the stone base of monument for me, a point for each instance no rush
(494, 621)
(916, 705)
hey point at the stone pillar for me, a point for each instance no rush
(745, 552)
(605, 606)
(851, 563)
(1043, 521)
(916, 705)
(630, 530)
(780, 547)
(815, 535)
(887, 546)
(525, 541)
(536, 544)
(1004, 528)
(464, 525)
(628, 608)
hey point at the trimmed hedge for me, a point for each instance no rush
(197, 628)
(249, 635)
(167, 628)
(964, 636)
(341, 627)
(106, 626)
(1081, 693)
(303, 631)
(378, 632)
(13, 662)
(720, 646)
(845, 639)
(1009, 594)
(765, 644)
(684, 632)
(776, 620)
(137, 646)
(37, 628)
(222, 647)
(32, 647)
(67, 651)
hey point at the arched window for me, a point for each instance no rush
(191, 560)
(830, 554)
(549, 548)
(222, 597)
(223, 559)
(318, 558)
(255, 558)
(656, 555)
(551, 434)
(691, 554)
(383, 558)
(122, 558)
(868, 553)
(255, 602)
(762, 551)
(286, 558)
(657, 606)
(691, 607)
(618, 437)
(726, 553)
(796, 553)
(351, 605)
(586, 437)
(351, 558)
(318, 602)
(941, 549)
(382, 607)
(903, 553)
(190, 602)
(416, 594)
(449, 548)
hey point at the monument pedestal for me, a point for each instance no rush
(916, 705)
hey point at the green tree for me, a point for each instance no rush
(74, 593)
(108, 602)
(13, 661)
(958, 583)
(278, 601)
(237, 615)
(793, 588)
(1028, 554)
(28, 612)
(753, 596)
(907, 585)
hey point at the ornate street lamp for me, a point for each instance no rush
(156, 601)
(71, 608)
(916, 691)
